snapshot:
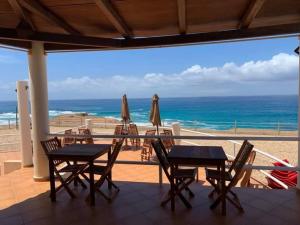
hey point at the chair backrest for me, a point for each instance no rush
(86, 132)
(147, 141)
(117, 148)
(50, 145)
(162, 157)
(169, 132)
(163, 148)
(237, 156)
(168, 142)
(69, 140)
(240, 161)
(118, 131)
(245, 182)
(133, 129)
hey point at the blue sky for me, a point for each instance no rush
(262, 67)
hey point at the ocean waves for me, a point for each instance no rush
(216, 113)
(10, 117)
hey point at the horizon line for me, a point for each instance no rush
(169, 97)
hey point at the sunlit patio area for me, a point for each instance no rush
(24, 201)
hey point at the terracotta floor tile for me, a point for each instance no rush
(138, 202)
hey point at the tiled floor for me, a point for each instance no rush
(23, 201)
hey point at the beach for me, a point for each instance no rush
(281, 150)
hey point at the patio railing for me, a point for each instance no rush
(205, 136)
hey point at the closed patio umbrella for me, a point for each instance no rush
(154, 113)
(125, 111)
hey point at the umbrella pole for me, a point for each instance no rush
(159, 167)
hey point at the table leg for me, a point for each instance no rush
(223, 194)
(110, 173)
(52, 181)
(172, 188)
(92, 185)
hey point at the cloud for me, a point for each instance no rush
(280, 67)
(277, 75)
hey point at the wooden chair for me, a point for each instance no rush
(132, 130)
(104, 171)
(61, 166)
(146, 152)
(236, 168)
(88, 135)
(245, 180)
(183, 177)
(67, 140)
(168, 142)
(118, 131)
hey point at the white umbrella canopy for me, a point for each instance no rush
(154, 113)
(125, 115)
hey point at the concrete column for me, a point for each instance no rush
(176, 132)
(89, 125)
(39, 108)
(298, 182)
(24, 128)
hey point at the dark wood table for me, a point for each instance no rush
(185, 155)
(78, 152)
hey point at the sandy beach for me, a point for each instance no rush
(281, 150)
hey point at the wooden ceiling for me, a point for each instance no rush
(124, 24)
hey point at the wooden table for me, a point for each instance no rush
(78, 152)
(185, 155)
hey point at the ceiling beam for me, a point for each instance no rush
(250, 13)
(84, 42)
(213, 37)
(13, 34)
(51, 47)
(114, 17)
(38, 8)
(21, 13)
(181, 5)
(18, 44)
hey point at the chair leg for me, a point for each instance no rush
(186, 188)
(191, 194)
(113, 184)
(186, 203)
(85, 177)
(180, 186)
(214, 205)
(236, 203)
(211, 194)
(81, 183)
(215, 190)
(65, 183)
(233, 194)
(107, 198)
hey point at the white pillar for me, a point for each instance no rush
(176, 132)
(89, 125)
(39, 108)
(298, 183)
(24, 128)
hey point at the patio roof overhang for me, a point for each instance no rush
(125, 24)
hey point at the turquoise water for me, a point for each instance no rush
(219, 113)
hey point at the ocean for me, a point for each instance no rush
(220, 113)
